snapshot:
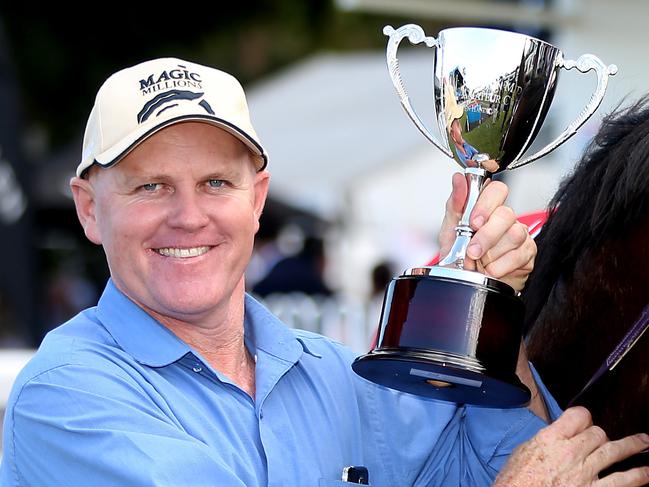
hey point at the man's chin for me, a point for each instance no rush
(182, 306)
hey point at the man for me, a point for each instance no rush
(467, 155)
(178, 378)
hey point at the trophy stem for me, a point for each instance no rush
(475, 177)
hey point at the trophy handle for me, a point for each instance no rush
(415, 35)
(584, 64)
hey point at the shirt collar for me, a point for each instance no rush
(151, 343)
(265, 332)
(136, 332)
(275, 346)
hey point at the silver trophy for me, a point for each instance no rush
(445, 332)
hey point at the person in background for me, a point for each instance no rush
(302, 272)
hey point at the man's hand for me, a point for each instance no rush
(501, 246)
(570, 453)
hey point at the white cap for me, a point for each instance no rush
(136, 102)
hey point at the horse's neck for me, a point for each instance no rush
(586, 315)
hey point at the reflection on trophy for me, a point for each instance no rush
(445, 332)
(468, 155)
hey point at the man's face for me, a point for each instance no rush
(176, 218)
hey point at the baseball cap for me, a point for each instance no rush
(136, 102)
(452, 110)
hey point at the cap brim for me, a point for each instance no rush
(118, 151)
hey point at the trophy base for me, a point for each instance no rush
(421, 373)
(451, 335)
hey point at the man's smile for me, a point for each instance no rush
(182, 253)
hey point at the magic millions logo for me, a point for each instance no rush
(172, 87)
(174, 78)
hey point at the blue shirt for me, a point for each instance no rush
(113, 398)
(468, 149)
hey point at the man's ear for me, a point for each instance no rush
(261, 192)
(84, 201)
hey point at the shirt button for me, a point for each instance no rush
(197, 368)
(261, 415)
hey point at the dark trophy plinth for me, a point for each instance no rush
(449, 336)
(446, 332)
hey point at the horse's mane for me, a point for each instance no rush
(606, 195)
(591, 277)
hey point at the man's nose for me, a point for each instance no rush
(188, 211)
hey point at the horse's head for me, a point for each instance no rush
(591, 274)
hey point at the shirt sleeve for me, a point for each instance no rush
(463, 158)
(470, 152)
(484, 438)
(64, 430)
(418, 441)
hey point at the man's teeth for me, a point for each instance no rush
(182, 253)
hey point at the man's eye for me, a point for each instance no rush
(215, 183)
(150, 187)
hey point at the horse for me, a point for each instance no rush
(591, 277)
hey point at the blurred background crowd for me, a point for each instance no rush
(357, 194)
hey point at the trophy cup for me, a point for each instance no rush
(446, 332)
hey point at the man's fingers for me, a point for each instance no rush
(493, 232)
(456, 201)
(454, 206)
(615, 451)
(500, 247)
(631, 478)
(516, 237)
(492, 196)
(516, 263)
(573, 421)
(590, 439)
(517, 278)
